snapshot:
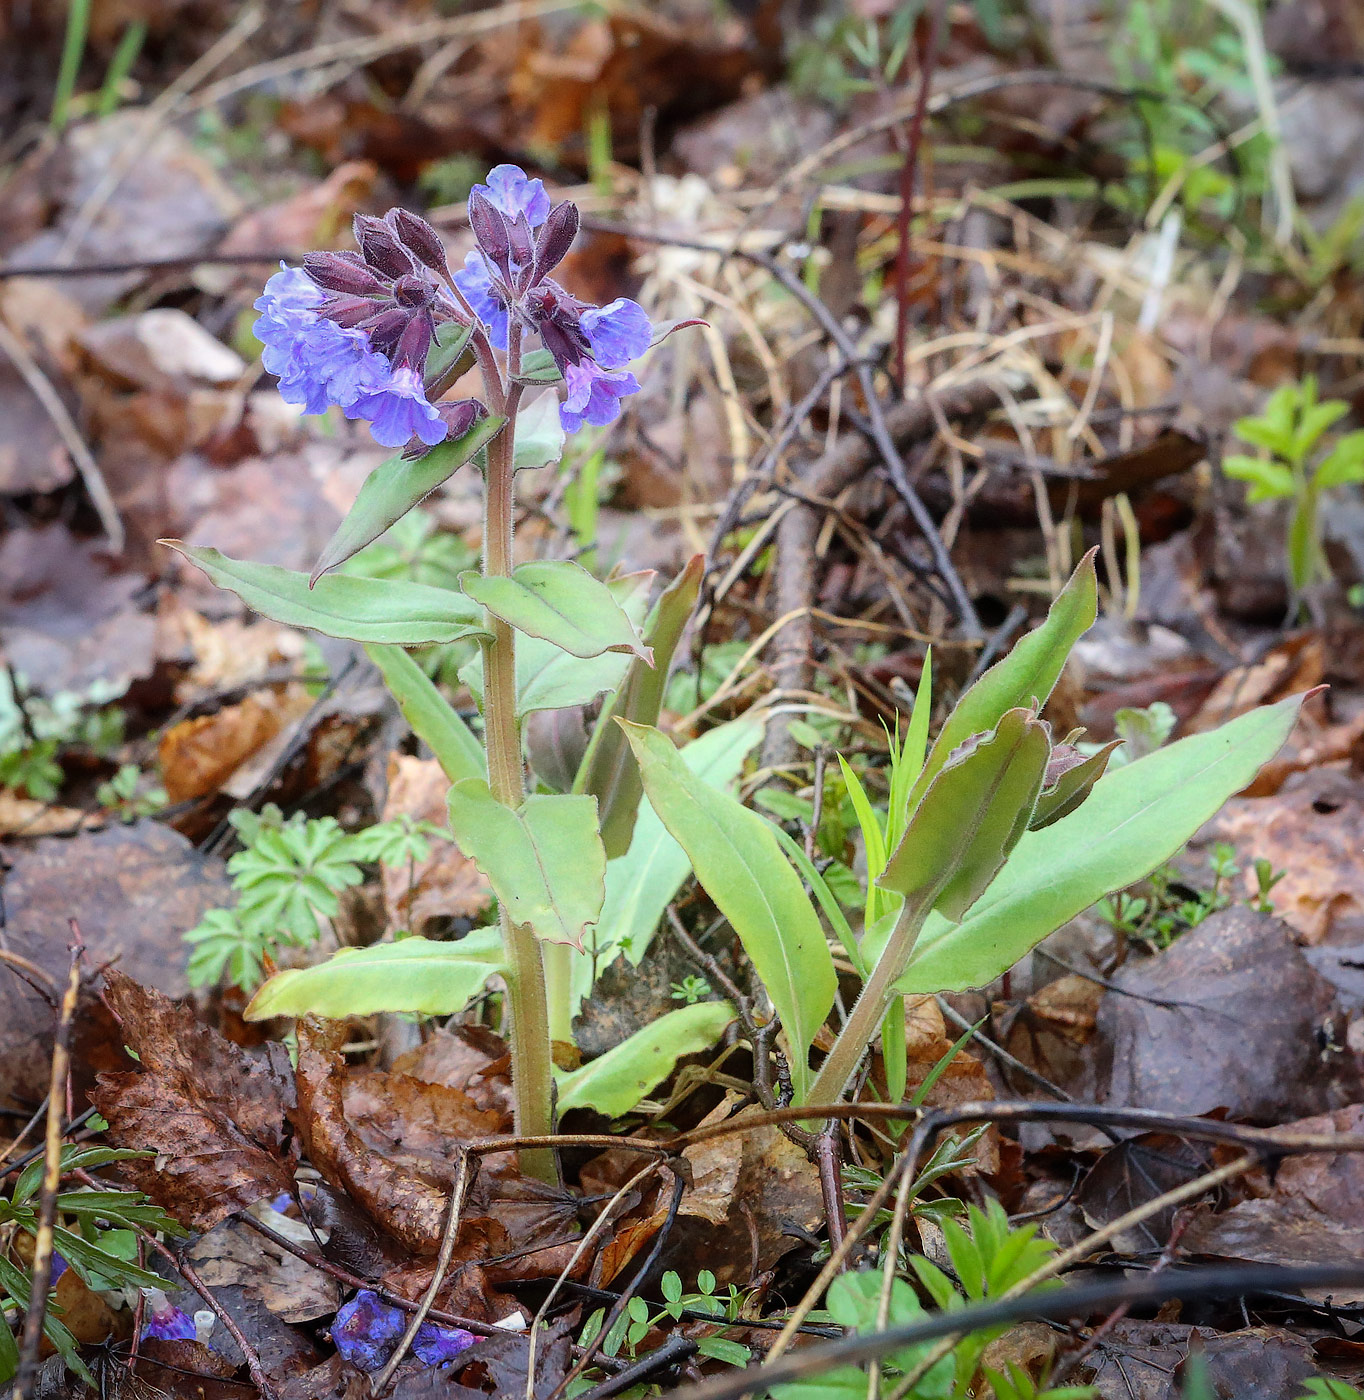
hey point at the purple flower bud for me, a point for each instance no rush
(619, 332)
(164, 1321)
(347, 311)
(459, 415)
(380, 247)
(556, 237)
(366, 1330)
(438, 1345)
(594, 395)
(522, 249)
(342, 272)
(414, 343)
(385, 328)
(414, 292)
(420, 239)
(398, 411)
(490, 229)
(512, 193)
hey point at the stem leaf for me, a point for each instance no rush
(559, 602)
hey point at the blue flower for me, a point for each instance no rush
(437, 1345)
(476, 282)
(287, 305)
(594, 395)
(327, 365)
(398, 410)
(165, 1322)
(367, 1329)
(510, 190)
(618, 333)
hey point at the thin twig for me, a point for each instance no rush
(47, 396)
(41, 1273)
(463, 1178)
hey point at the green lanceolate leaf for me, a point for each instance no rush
(550, 679)
(431, 716)
(971, 817)
(412, 975)
(1071, 788)
(452, 346)
(738, 862)
(641, 883)
(615, 1082)
(538, 367)
(1027, 675)
(358, 609)
(559, 602)
(392, 489)
(544, 860)
(1137, 816)
(609, 770)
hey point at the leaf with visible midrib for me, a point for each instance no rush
(395, 486)
(739, 864)
(357, 609)
(615, 1082)
(559, 602)
(544, 859)
(413, 975)
(1137, 816)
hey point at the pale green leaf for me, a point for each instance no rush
(539, 434)
(1072, 787)
(609, 771)
(1137, 816)
(641, 883)
(431, 716)
(412, 975)
(559, 602)
(1268, 480)
(396, 486)
(1344, 462)
(550, 679)
(358, 609)
(544, 860)
(740, 865)
(971, 817)
(615, 1082)
(1025, 676)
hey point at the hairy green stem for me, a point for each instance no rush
(532, 1065)
(558, 988)
(870, 1008)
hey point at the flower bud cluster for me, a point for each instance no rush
(355, 330)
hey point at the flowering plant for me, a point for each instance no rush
(982, 853)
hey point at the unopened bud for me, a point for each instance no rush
(490, 229)
(420, 239)
(556, 237)
(341, 272)
(380, 247)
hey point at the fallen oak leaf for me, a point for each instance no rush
(214, 1114)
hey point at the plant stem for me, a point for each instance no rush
(532, 1066)
(870, 1008)
(558, 987)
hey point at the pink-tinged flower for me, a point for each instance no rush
(164, 1321)
(618, 333)
(438, 1345)
(510, 190)
(398, 411)
(594, 395)
(366, 1330)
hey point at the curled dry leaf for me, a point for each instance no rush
(409, 1208)
(214, 1114)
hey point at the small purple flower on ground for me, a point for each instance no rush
(618, 333)
(366, 1329)
(438, 1345)
(594, 395)
(164, 1321)
(513, 193)
(398, 410)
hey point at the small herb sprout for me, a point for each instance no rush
(1297, 467)
(1266, 877)
(35, 729)
(127, 797)
(1328, 1388)
(288, 878)
(691, 989)
(725, 1306)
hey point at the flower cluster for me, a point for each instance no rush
(521, 240)
(356, 330)
(366, 1330)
